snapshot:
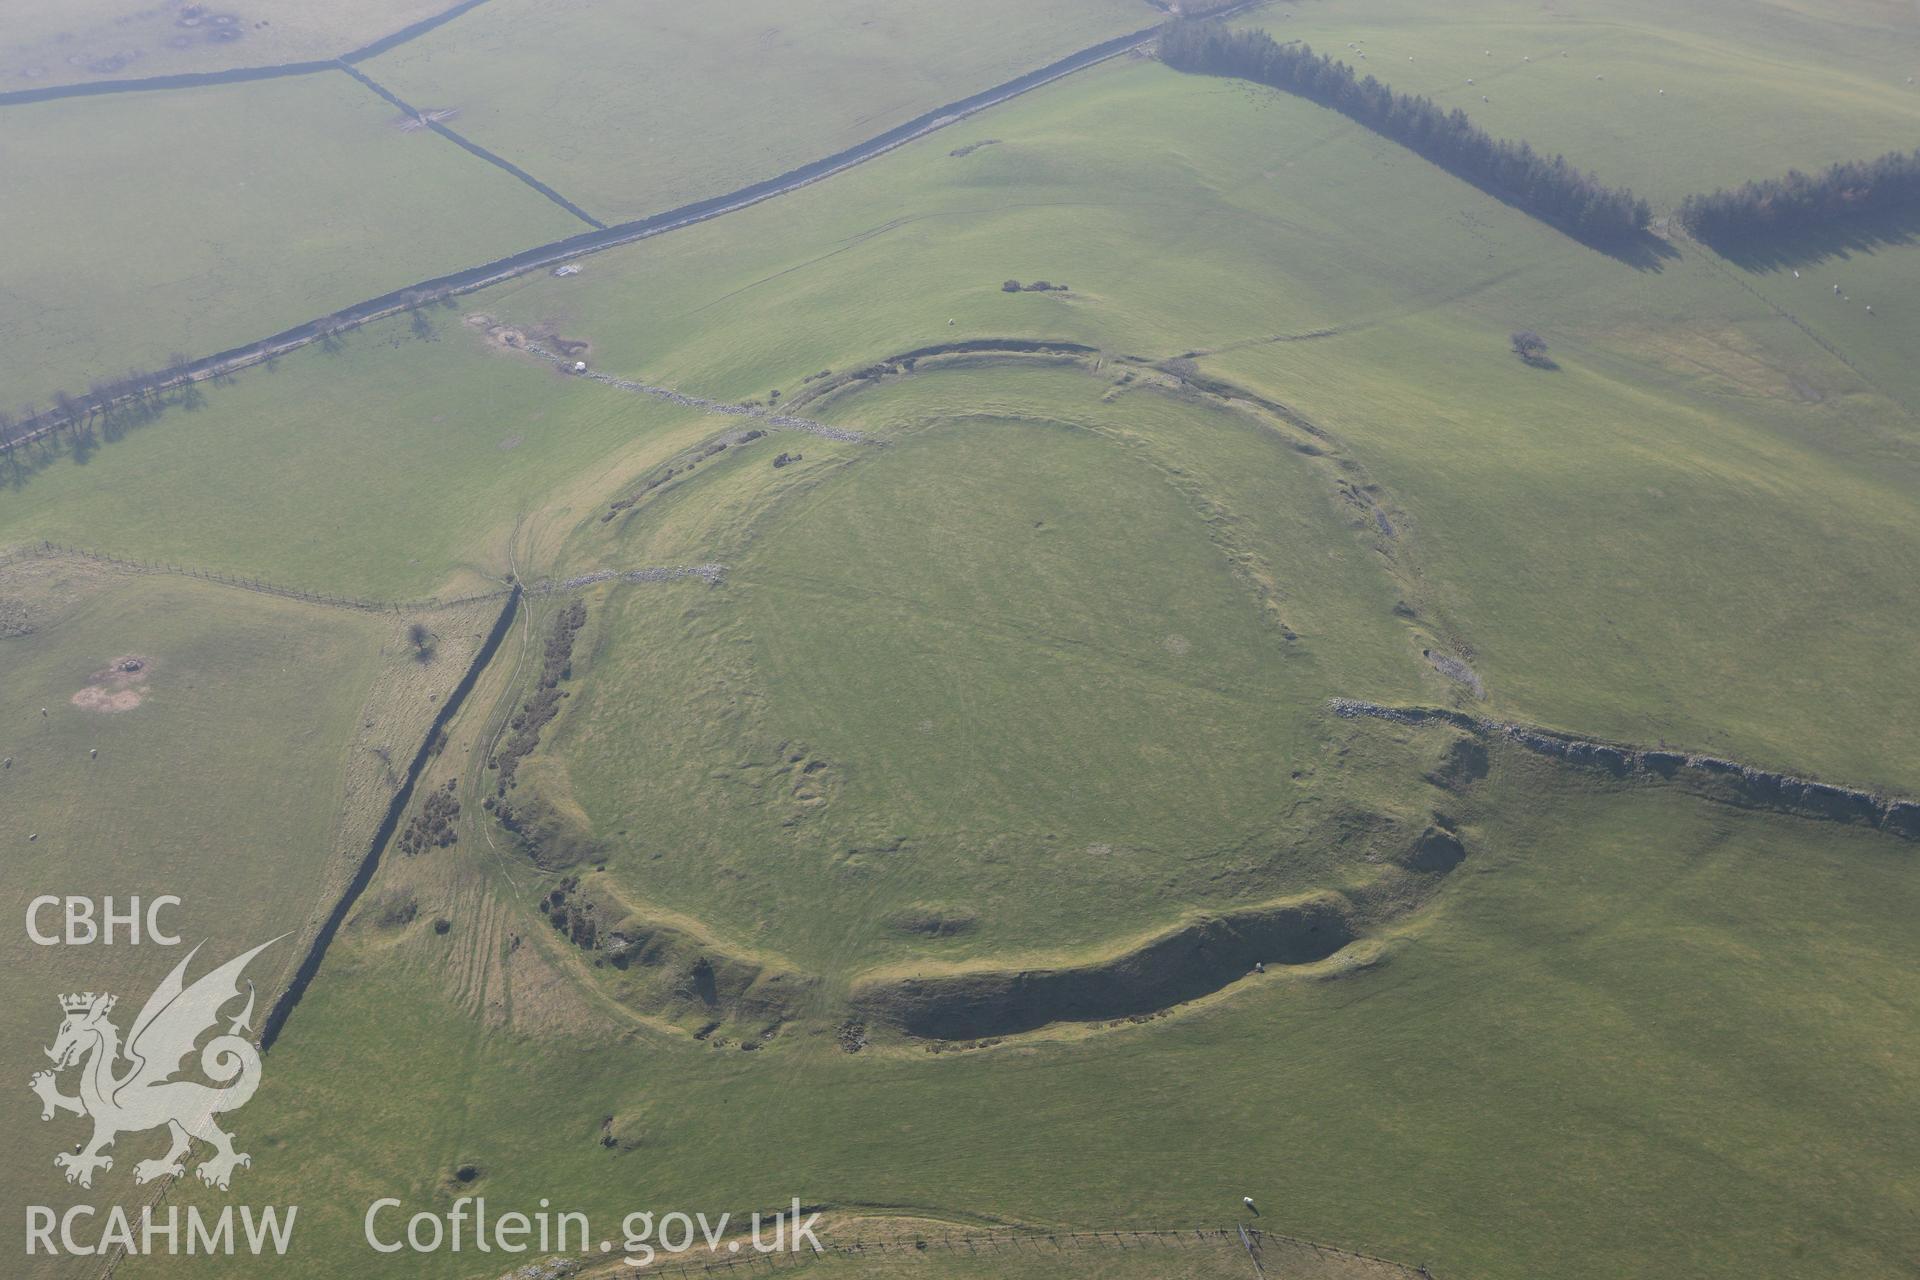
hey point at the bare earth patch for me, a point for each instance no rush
(119, 686)
(99, 698)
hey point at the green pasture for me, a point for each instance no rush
(1036, 661)
(225, 786)
(195, 220)
(398, 466)
(1638, 1035)
(1689, 412)
(1666, 99)
(90, 41)
(634, 109)
(1053, 656)
(1689, 415)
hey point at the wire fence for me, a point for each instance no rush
(45, 549)
(711, 574)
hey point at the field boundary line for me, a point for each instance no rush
(1718, 263)
(303, 975)
(237, 75)
(329, 327)
(44, 549)
(470, 147)
(1744, 785)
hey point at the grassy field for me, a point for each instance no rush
(399, 466)
(1044, 667)
(652, 105)
(1666, 99)
(88, 41)
(1642, 1035)
(1688, 412)
(900, 1245)
(1050, 651)
(239, 767)
(177, 220)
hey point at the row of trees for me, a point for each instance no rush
(114, 403)
(1799, 202)
(138, 395)
(1548, 188)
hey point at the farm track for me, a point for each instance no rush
(787, 421)
(406, 298)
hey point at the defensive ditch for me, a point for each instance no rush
(1711, 777)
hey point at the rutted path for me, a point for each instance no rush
(790, 422)
(1712, 777)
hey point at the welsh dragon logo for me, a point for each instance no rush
(145, 1094)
